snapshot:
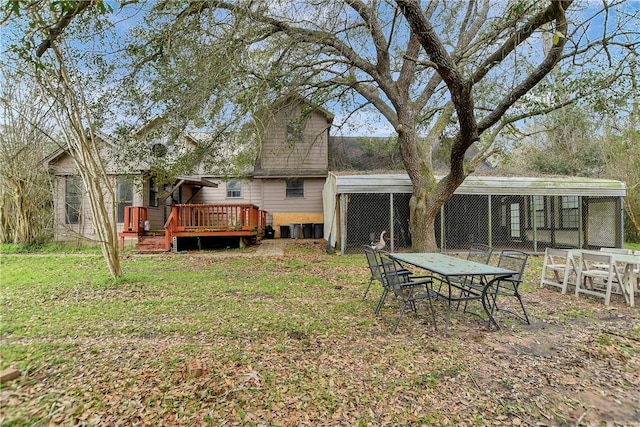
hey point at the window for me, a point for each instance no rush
(72, 199)
(295, 188)
(515, 220)
(153, 194)
(569, 215)
(234, 189)
(124, 195)
(539, 212)
(294, 130)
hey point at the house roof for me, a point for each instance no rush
(363, 153)
(485, 185)
(285, 101)
(290, 173)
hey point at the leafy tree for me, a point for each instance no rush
(444, 74)
(42, 29)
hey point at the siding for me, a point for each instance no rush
(268, 194)
(251, 192)
(310, 153)
(275, 200)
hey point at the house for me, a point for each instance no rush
(307, 183)
(284, 187)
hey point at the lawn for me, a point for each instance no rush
(228, 338)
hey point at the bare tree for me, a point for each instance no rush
(25, 187)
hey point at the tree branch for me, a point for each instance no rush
(60, 26)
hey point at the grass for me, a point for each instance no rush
(633, 246)
(282, 341)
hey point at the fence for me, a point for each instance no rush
(525, 222)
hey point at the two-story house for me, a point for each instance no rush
(284, 188)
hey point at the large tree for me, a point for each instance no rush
(446, 74)
(47, 42)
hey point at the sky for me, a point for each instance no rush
(369, 121)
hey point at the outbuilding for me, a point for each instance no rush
(527, 213)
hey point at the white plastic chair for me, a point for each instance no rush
(621, 251)
(557, 267)
(600, 281)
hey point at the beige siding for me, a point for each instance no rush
(311, 152)
(275, 200)
(64, 165)
(251, 192)
(84, 229)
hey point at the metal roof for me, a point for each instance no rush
(486, 185)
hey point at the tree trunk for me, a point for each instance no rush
(423, 207)
(422, 222)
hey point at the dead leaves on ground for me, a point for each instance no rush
(564, 369)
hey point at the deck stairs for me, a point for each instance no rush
(151, 244)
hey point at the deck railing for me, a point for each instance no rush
(241, 217)
(209, 220)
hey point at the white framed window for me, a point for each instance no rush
(515, 220)
(295, 188)
(234, 189)
(124, 195)
(294, 130)
(570, 213)
(72, 199)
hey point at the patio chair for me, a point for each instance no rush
(410, 289)
(600, 281)
(377, 274)
(619, 266)
(478, 253)
(508, 286)
(558, 265)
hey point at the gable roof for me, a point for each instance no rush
(290, 99)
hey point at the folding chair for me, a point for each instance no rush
(407, 288)
(600, 281)
(557, 263)
(508, 286)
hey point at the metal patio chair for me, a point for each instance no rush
(508, 286)
(478, 253)
(377, 274)
(410, 289)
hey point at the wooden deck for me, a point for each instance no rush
(233, 220)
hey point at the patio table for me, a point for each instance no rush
(453, 271)
(628, 277)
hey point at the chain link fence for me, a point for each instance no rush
(525, 222)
